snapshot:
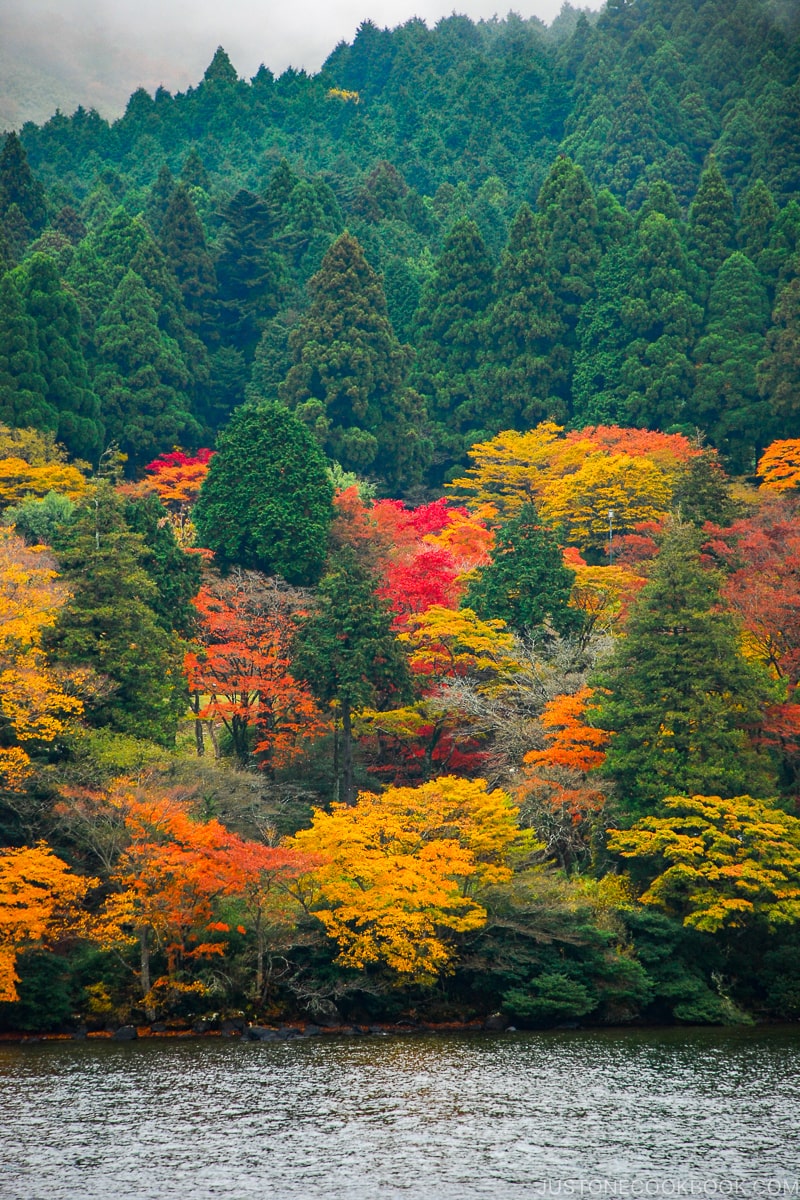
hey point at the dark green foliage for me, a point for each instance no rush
(110, 623)
(679, 694)
(141, 377)
(176, 574)
(712, 228)
(527, 373)
(266, 502)
(22, 382)
(158, 199)
(702, 493)
(19, 187)
(778, 373)
(347, 379)
(526, 583)
(757, 219)
(346, 652)
(183, 241)
(251, 275)
(74, 410)
(725, 403)
(450, 337)
(570, 228)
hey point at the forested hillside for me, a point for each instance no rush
(399, 556)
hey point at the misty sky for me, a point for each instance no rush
(95, 52)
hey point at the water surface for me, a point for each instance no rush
(423, 1117)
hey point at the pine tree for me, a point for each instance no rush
(633, 144)
(194, 173)
(68, 391)
(175, 573)
(109, 623)
(725, 403)
(158, 199)
(183, 241)
(347, 380)
(141, 377)
(678, 694)
(526, 583)
(266, 502)
(346, 652)
(22, 384)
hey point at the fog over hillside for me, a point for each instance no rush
(62, 53)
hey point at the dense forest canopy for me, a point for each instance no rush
(399, 558)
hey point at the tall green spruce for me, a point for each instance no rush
(346, 652)
(251, 274)
(183, 241)
(778, 373)
(110, 623)
(712, 226)
(347, 381)
(526, 583)
(266, 502)
(141, 377)
(22, 196)
(22, 384)
(677, 693)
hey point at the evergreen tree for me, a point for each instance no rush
(194, 173)
(702, 492)
(346, 652)
(109, 623)
(678, 694)
(725, 402)
(347, 380)
(158, 199)
(450, 338)
(757, 219)
(175, 573)
(252, 276)
(527, 371)
(183, 241)
(633, 144)
(570, 227)
(712, 227)
(18, 186)
(266, 502)
(22, 384)
(141, 377)
(526, 583)
(68, 391)
(778, 373)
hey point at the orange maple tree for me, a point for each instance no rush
(239, 668)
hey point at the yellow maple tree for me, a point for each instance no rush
(633, 490)
(728, 861)
(779, 465)
(402, 871)
(40, 899)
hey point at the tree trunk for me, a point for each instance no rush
(348, 791)
(144, 974)
(198, 726)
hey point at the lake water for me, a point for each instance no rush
(422, 1117)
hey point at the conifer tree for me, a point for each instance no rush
(633, 144)
(778, 373)
(266, 502)
(251, 274)
(757, 219)
(158, 199)
(19, 186)
(141, 377)
(109, 623)
(712, 227)
(183, 241)
(570, 228)
(678, 694)
(346, 652)
(450, 337)
(526, 583)
(527, 373)
(193, 171)
(347, 381)
(22, 384)
(68, 390)
(725, 401)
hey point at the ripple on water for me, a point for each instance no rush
(423, 1118)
